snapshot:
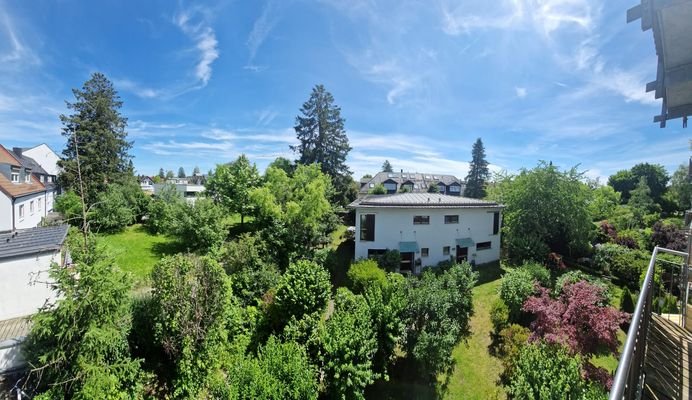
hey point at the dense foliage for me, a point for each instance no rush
(478, 172)
(303, 289)
(252, 272)
(517, 285)
(230, 185)
(366, 273)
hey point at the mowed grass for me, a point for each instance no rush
(137, 251)
(476, 375)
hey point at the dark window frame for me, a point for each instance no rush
(367, 228)
(451, 217)
(421, 220)
(425, 252)
(446, 250)
(484, 246)
(496, 222)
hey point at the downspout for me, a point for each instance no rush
(13, 217)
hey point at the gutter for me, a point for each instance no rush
(13, 222)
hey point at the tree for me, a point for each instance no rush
(604, 201)
(478, 172)
(517, 285)
(681, 189)
(96, 151)
(386, 166)
(181, 172)
(348, 347)
(304, 289)
(546, 209)
(231, 183)
(162, 174)
(112, 212)
(293, 212)
(378, 189)
(433, 188)
(283, 164)
(78, 346)
(195, 172)
(194, 315)
(641, 203)
(164, 209)
(169, 174)
(627, 180)
(546, 372)
(201, 225)
(438, 313)
(320, 131)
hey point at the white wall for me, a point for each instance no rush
(30, 219)
(50, 200)
(5, 213)
(22, 288)
(11, 357)
(45, 157)
(394, 225)
(182, 189)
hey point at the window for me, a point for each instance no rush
(445, 251)
(367, 227)
(39, 203)
(390, 187)
(424, 252)
(451, 219)
(372, 185)
(15, 177)
(376, 252)
(496, 223)
(455, 189)
(40, 178)
(21, 211)
(483, 246)
(421, 220)
(31, 206)
(27, 176)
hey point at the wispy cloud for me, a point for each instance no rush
(15, 51)
(137, 89)
(260, 31)
(521, 92)
(193, 22)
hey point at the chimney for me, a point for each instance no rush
(17, 151)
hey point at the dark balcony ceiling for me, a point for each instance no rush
(671, 23)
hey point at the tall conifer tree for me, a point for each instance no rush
(95, 132)
(478, 172)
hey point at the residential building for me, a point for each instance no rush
(189, 191)
(27, 191)
(147, 184)
(25, 258)
(428, 228)
(413, 182)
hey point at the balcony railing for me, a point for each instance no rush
(630, 376)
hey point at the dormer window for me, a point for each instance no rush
(15, 177)
(40, 178)
(27, 176)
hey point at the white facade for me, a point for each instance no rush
(5, 213)
(23, 287)
(45, 157)
(189, 192)
(29, 210)
(394, 226)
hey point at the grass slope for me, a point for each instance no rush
(477, 372)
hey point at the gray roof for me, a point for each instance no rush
(28, 162)
(422, 179)
(421, 200)
(31, 241)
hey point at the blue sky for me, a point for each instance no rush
(417, 81)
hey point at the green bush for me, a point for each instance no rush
(517, 285)
(303, 289)
(575, 276)
(200, 226)
(69, 204)
(390, 261)
(546, 372)
(621, 262)
(364, 274)
(626, 301)
(528, 247)
(512, 339)
(112, 212)
(539, 273)
(499, 315)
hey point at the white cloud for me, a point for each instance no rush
(15, 51)
(136, 89)
(521, 92)
(193, 23)
(261, 29)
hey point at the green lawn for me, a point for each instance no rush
(136, 251)
(477, 372)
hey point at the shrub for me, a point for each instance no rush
(517, 285)
(364, 274)
(111, 213)
(499, 315)
(303, 289)
(69, 204)
(573, 277)
(512, 339)
(528, 247)
(669, 236)
(621, 262)
(390, 261)
(546, 372)
(378, 189)
(200, 226)
(538, 272)
(626, 301)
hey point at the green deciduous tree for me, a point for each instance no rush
(386, 166)
(626, 180)
(437, 316)
(164, 209)
(201, 225)
(194, 315)
(111, 212)
(320, 131)
(95, 134)
(478, 172)
(230, 185)
(78, 346)
(303, 289)
(378, 189)
(348, 347)
(545, 209)
(681, 189)
(169, 174)
(604, 201)
(641, 203)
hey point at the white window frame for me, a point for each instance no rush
(31, 207)
(21, 211)
(15, 177)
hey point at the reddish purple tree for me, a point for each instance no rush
(579, 318)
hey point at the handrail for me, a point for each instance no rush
(622, 377)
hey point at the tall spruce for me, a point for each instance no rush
(323, 140)
(95, 133)
(181, 172)
(386, 166)
(162, 174)
(478, 172)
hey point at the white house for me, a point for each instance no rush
(27, 191)
(189, 191)
(428, 228)
(413, 182)
(25, 257)
(45, 157)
